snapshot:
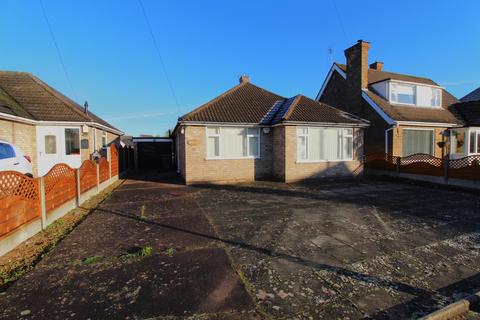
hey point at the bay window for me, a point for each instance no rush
(324, 144)
(474, 143)
(232, 142)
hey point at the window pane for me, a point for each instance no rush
(6, 151)
(302, 148)
(417, 141)
(331, 144)
(402, 93)
(458, 141)
(104, 139)
(253, 131)
(478, 142)
(213, 147)
(436, 97)
(50, 144)
(72, 141)
(473, 142)
(233, 142)
(315, 144)
(253, 146)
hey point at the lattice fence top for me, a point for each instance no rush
(13, 183)
(465, 162)
(381, 156)
(422, 157)
(87, 165)
(57, 173)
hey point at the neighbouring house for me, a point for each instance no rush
(48, 126)
(407, 114)
(466, 141)
(249, 133)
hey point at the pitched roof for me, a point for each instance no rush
(24, 95)
(472, 96)
(469, 111)
(410, 113)
(380, 75)
(244, 103)
(247, 103)
(304, 109)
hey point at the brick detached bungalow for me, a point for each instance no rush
(249, 133)
(407, 114)
(48, 126)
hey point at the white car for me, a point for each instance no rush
(14, 159)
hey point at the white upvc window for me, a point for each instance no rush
(403, 93)
(232, 142)
(414, 94)
(319, 144)
(418, 141)
(104, 139)
(474, 141)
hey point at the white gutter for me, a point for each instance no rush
(230, 124)
(59, 123)
(323, 124)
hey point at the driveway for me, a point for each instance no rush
(325, 250)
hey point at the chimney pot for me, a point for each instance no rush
(377, 65)
(244, 78)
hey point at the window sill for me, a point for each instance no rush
(396, 104)
(322, 161)
(237, 158)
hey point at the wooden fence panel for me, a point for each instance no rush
(88, 175)
(422, 163)
(467, 168)
(381, 161)
(60, 186)
(103, 164)
(113, 160)
(19, 201)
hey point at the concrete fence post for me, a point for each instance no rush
(77, 184)
(43, 207)
(97, 166)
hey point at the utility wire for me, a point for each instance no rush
(157, 49)
(340, 22)
(60, 58)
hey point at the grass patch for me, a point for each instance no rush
(90, 260)
(138, 253)
(170, 252)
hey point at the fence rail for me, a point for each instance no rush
(31, 204)
(467, 168)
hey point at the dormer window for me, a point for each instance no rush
(402, 93)
(414, 94)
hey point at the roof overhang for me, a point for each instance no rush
(59, 123)
(323, 124)
(428, 124)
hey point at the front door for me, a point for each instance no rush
(57, 144)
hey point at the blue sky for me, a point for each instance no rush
(111, 60)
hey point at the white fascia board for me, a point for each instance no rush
(58, 123)
(377, 108)
(415, 83)
(428, 124)
(334, 67)
(220, 124)
(323, 124)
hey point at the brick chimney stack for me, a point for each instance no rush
(377, 65)
(357, 75)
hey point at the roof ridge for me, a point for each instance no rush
(229, 91)
(67, 101)
(292, 106)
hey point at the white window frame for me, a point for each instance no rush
(247, 147)
(415, 85)
(104, 135)
(421, 129)
(477, 133)
(342, 145)
(65, 142)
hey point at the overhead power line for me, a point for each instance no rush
(157, 49)
(340, 22)
(60, 58)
